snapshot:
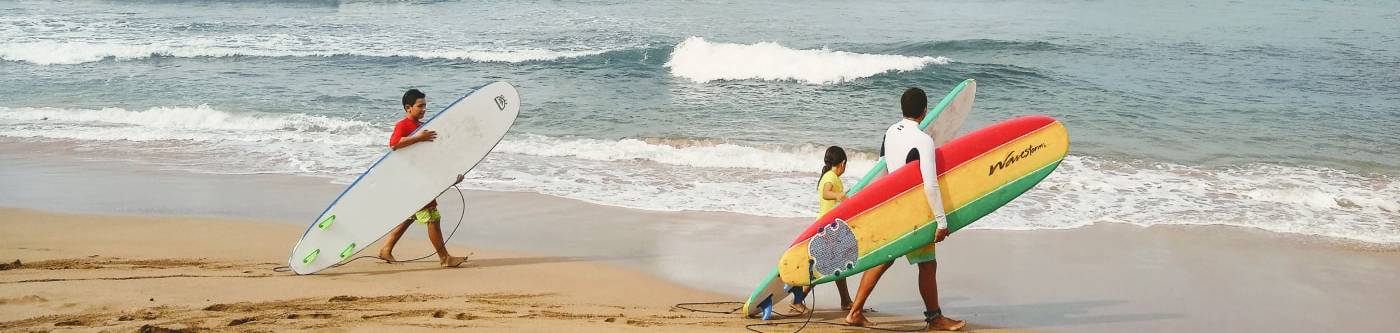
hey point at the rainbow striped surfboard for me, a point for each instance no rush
(943, 123)
(977, 173)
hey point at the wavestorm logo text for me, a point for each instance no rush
(1012, 157)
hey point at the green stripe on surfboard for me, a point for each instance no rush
(753, 297)
(928, 120)
(957, 219)
(993, 200)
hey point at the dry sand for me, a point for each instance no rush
(149, 274)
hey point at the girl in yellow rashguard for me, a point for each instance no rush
(831, 192)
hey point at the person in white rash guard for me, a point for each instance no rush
(905, 143)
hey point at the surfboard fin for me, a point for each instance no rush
(326, 223)
(797, 295)
(347, 251)
(766, 307)
(311, 257)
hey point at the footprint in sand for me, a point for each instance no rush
(27, 299)
(310, 316)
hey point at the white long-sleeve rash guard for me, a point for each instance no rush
(904, 138)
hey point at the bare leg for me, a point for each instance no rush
(845, 294)
(928, 290)
(386, 253)
(798, 307)
(928, 285)
(867, 284)
(435, 236)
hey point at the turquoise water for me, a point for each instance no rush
(1273, 114)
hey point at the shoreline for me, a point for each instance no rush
(42, 171)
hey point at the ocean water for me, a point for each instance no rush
(1280, 115)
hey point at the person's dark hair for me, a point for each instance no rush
(411, 96)
(914, 103)
(834, 156)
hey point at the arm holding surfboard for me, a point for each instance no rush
(924, 147)
(413, 117)
(424, 136)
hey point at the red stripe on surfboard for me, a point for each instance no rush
(948, 156)
(884, 189)
(972, 145)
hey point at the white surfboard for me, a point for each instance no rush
(402, 181)
(950, 121)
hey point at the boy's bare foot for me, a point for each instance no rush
(386, 255)
(942, 323)
(799, 308)
(858, 320)
(450, 262)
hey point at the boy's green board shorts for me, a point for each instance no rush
(920, 255)
(427, 215)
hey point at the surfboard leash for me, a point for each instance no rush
(687, 307)
(460, 216)
(811, 312)
(750, 327)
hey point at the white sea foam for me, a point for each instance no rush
(691, 153)
(700, 60)
(77, 52)
(1313, 201)
(201, 117)
(217, 141)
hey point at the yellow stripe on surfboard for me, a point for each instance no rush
(1007, 163)
(870, 227)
